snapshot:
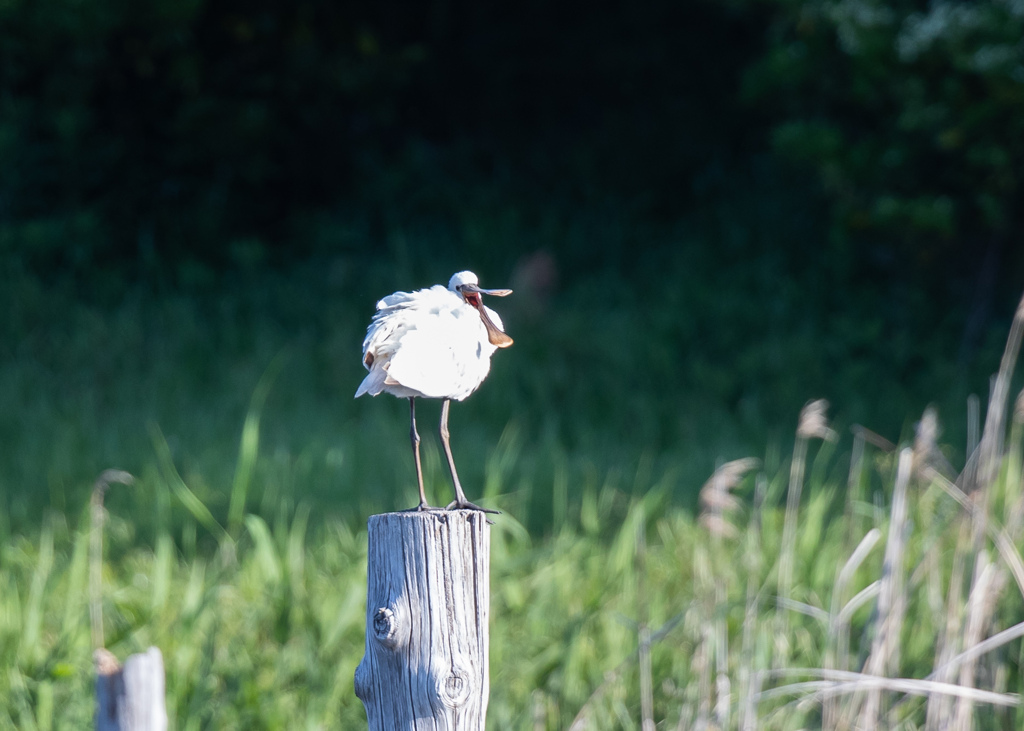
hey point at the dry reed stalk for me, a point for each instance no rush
(987, 581)
(813, 424)
(716, 498)
(973, 417)
(940, 706)
(995, 641)
(750, 721)
(840, 682)
(926, 457)
(837, 650)
(1001, 537)
(837, 645)
(643, 631)
(885, 648)
(723, 686)
(992, 438)
(540, 721)
(926, 449)
(718, 505)
(853, 486)
(611, 678)
(723, 700)
(874, 438)
(992, 643)
(1015, 476)
(97, 516)
(980, 482)
(979, 611)
(703, 580)
(685, 718)
(702, 664)
(646, 682)
(748, 707)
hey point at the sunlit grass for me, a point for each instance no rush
(261, 621)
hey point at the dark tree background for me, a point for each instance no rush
(174, 128)
(861, 157)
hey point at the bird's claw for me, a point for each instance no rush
(466, 505)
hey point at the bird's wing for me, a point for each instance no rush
(395, 314)
(409, 344)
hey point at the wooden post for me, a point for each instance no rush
(130, 698)
(427, 608)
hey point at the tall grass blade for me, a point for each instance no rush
(187, 498)
(249, 444)
(297, 553)
(502, 460)
(77, 578)
(30, 650)
(163, 557)
(266, 553)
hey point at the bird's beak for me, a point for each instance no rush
(495, 336)
(491, 292)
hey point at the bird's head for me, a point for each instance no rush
(467, 286)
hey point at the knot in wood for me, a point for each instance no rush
(455, 688)
(385, 627)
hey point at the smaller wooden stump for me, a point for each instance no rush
(130, 698)
(427, 609)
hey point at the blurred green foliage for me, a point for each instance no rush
(912, 115)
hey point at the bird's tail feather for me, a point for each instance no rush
(373, 383)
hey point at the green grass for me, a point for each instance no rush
(261, 622)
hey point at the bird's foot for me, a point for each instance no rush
(466, 505)
(421, 508)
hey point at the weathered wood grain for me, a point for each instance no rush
(428, 603)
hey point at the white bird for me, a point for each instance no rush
(433, 343)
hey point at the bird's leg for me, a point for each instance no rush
(415, 435)
(460, 497)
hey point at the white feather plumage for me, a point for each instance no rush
(429, 343)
